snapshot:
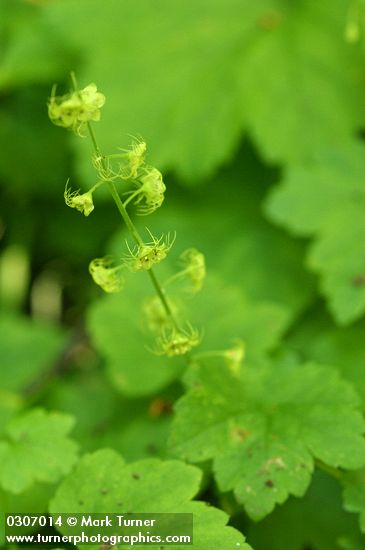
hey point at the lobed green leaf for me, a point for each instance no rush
(35, 447)
(264, 427)
(325, 200)
(103, 482)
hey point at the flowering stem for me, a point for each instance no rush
(131, 227)
(97, 184)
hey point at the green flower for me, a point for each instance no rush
(75, 109)
(83, 203)
(146, 255)
(177, 342)
(107, 277)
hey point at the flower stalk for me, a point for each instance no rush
(132, 229)
(75, 111)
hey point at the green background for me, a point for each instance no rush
(254, 112)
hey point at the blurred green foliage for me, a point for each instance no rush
(255, 112)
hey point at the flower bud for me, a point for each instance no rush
(83, 203)
(177, 342)
(136, 158)
(107, 277)
(150, 191)
(194, 268)
(145, 256)
(75, 109)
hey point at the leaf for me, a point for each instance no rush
(30, 49)
(354, 494)
(301, 82)
(102, 482)
(325, 200)
(10, 404)
(242, 247)
(153, 85)
(315, 521)
(27, 349)
(35, 447)
(117, 328)
(231, 316)
(192, 75)
(137, 428)
(246, 302)
(317, 338)
(264, 427)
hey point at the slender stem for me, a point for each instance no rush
(97, 184)
(74, 81)
(118, 156)
(131, 197)
(131, 227)
(161, 294)
(123, 212)
(176, 277)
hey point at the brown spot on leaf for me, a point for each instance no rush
(151, 449)
(160, 407)
(239, 434)
(359, 280)
(269, 483)
(274, 463)
(270, 20)
(136, 476)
